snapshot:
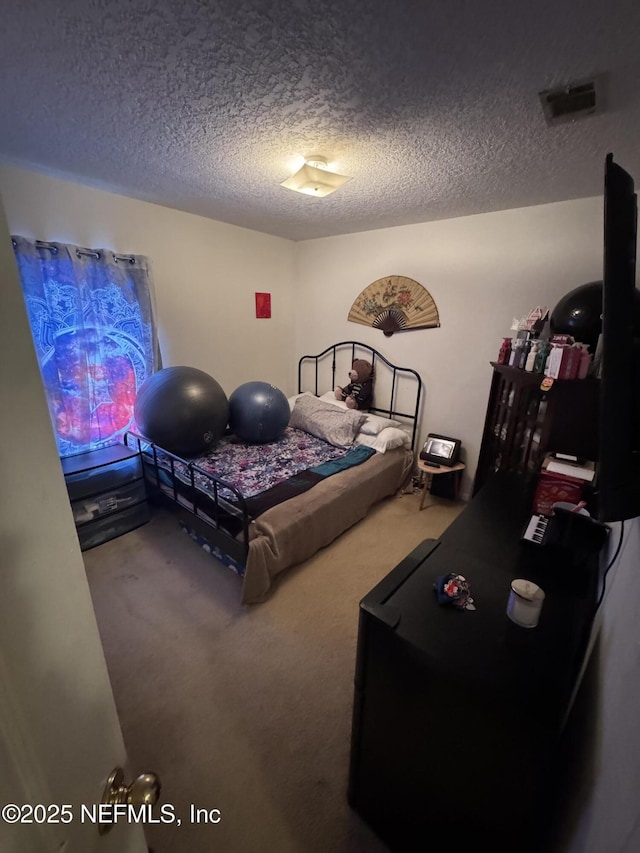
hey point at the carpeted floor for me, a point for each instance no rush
(245, 709)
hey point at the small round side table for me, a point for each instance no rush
(432, 472)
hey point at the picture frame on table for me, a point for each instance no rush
(441, 450)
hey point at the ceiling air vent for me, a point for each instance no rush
(570, 103)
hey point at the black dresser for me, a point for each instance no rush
(458, 714)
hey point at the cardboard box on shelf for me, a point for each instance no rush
(585, 470)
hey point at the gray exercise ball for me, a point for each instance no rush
(182, 409)
(258, 412)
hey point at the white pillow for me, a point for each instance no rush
(374, 424)
(386, 439)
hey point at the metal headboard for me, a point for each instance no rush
(401, 381)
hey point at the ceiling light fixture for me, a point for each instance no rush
(314, 178)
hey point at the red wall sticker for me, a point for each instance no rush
(263, 305)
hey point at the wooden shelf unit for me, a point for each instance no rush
(523, 422)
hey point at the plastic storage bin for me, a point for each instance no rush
(100, 470)
(107, 493)
(109, 526)
(95, 506)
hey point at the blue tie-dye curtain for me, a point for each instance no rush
(92, 323)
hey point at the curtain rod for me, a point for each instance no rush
(42, 244)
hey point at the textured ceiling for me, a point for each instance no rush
(208, 106)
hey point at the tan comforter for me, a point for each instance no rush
(294, 530)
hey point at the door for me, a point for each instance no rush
(59, 732)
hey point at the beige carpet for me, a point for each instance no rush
(246, 709)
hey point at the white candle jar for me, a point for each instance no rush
(525, 603)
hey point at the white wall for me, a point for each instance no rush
(59, 731)
(481, 271)
(205, 273)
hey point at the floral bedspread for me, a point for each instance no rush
(255, 468)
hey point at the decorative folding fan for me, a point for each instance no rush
(395, 304)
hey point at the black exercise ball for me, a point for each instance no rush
(258, 412)
(182, 409)
(579, 313)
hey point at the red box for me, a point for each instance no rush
(563, 362)
(552, 488)
(573, 363)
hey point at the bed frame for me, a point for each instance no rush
(397, 394)
(394, 387)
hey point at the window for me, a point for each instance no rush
(94, 333)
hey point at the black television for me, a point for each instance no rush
(618, 485)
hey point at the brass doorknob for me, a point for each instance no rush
(143, 791)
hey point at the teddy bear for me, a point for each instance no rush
(358, 394)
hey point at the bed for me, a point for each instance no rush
(261, 509)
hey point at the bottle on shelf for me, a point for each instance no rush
(529, 364)
(541, 356)
(516, 350)
(584, 365)
(505, 351)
